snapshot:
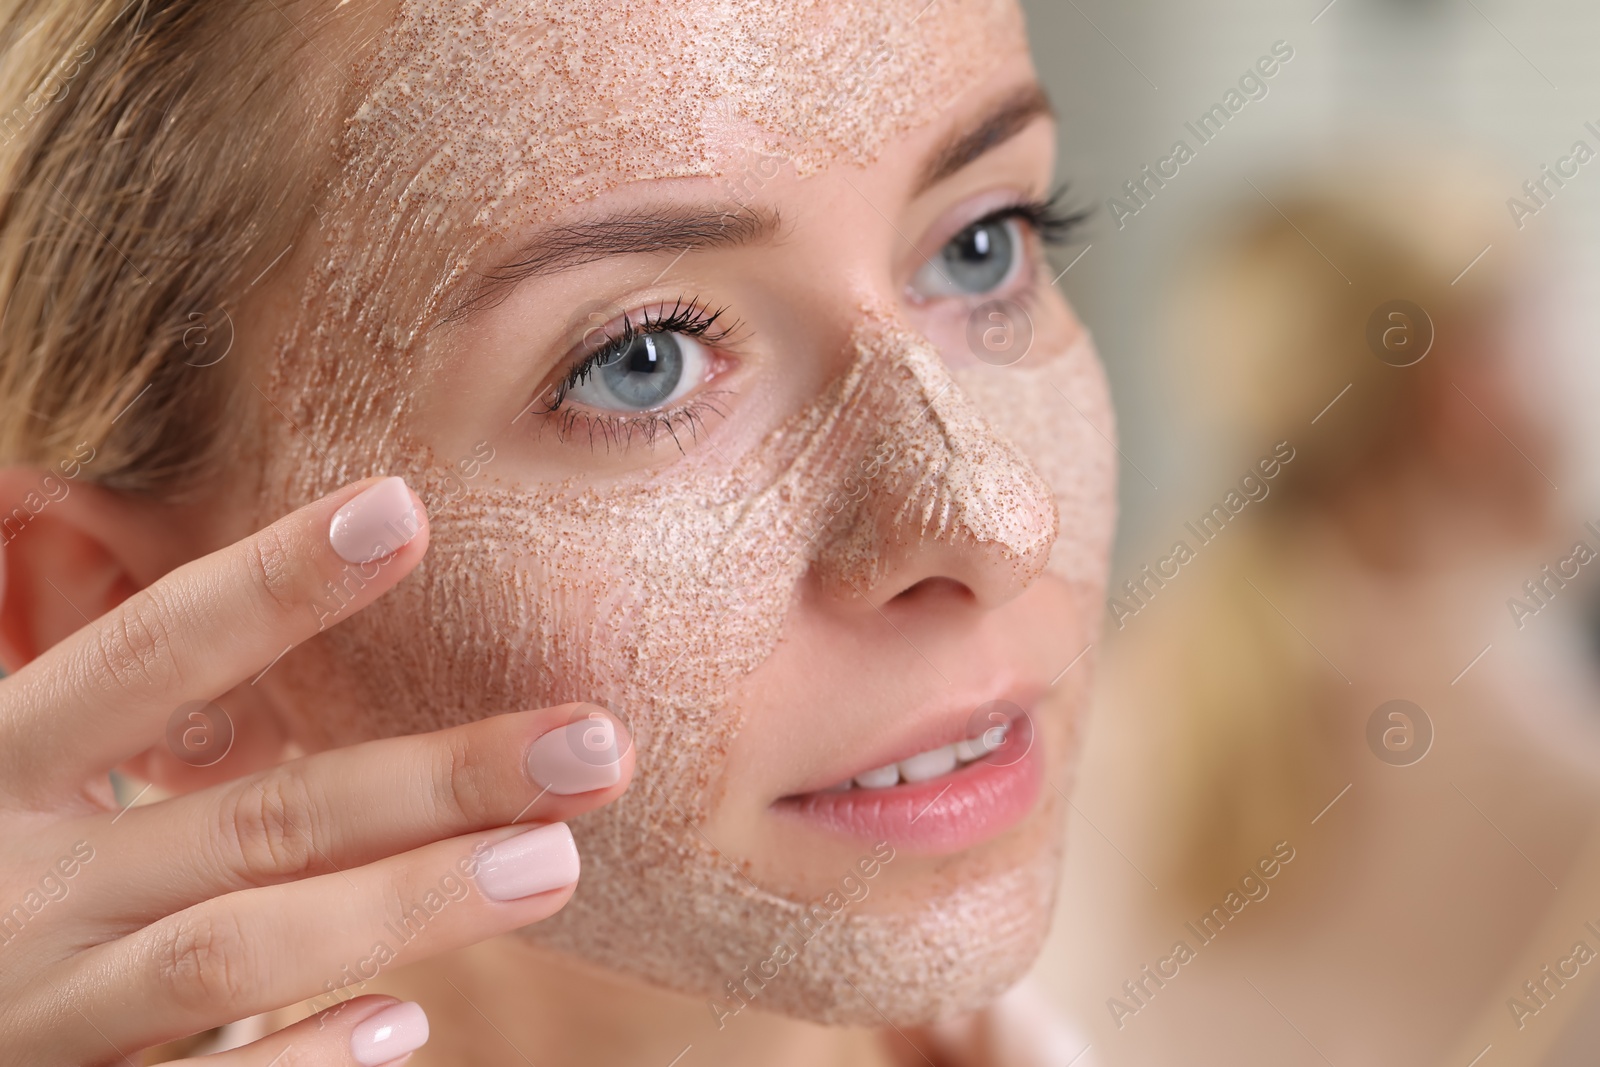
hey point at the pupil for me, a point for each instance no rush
(979, 245)
(643, 355)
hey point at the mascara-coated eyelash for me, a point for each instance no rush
(620, 430)
(692, 319)
(1049, 218)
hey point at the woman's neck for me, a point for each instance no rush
(507, 1001)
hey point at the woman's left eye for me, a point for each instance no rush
(976, 261)
(647, 371)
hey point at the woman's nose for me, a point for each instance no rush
(943, 495)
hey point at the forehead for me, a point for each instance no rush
(526, 108)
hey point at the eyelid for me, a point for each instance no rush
(647, 318)
(992, 205)
(970, 212)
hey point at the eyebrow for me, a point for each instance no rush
(1010, 118)
(684, 229)
(644, 231)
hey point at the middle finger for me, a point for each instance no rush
(350, 806)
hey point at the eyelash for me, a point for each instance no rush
(692, 318)
(1046, 217)
(620, 429)
(1049, 218)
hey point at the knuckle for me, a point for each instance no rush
(268, 828)
(135, 648)
(270, 564)
(460, 793)
(202, 958)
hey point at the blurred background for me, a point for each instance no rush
(1338, 799)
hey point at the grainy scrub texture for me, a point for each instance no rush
(656, 594)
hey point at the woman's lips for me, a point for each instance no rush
(954, 811)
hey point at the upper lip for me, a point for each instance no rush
(930, 728)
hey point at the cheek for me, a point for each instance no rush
(1055, 407)
(648, 603)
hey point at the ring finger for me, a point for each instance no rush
(259, 949)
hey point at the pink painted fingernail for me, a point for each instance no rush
(376, 523)
(535, 862)
(391, 1033)
(578, 757)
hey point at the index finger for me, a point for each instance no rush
(106, 692)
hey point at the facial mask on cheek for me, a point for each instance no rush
(1056, 409)
(654, 599)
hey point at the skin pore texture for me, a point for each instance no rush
(661, 589)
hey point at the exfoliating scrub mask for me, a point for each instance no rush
(655, 599)
(658, 594)
(479, 117)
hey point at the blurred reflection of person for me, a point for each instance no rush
(1381, 565)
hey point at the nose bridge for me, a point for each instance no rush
(946, 492)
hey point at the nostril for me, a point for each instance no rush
(938, 587)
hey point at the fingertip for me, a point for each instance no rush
(389, 1035)
(351, 1010)
(587, 710)
(586, 752)
(377, 522)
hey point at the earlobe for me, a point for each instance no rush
(66, 556)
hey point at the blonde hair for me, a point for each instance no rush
(147, 174)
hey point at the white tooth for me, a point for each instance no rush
(839, 787)
(925, 765)
(880, 778)
(994, 737)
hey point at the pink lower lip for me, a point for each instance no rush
(955, 811)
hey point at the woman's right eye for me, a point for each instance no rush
(642, 373)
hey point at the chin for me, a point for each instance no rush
(943, 945)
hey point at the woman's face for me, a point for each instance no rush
(681, 317)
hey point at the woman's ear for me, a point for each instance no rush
(70, 551)
(67, 552)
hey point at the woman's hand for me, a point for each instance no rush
(123, 929)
